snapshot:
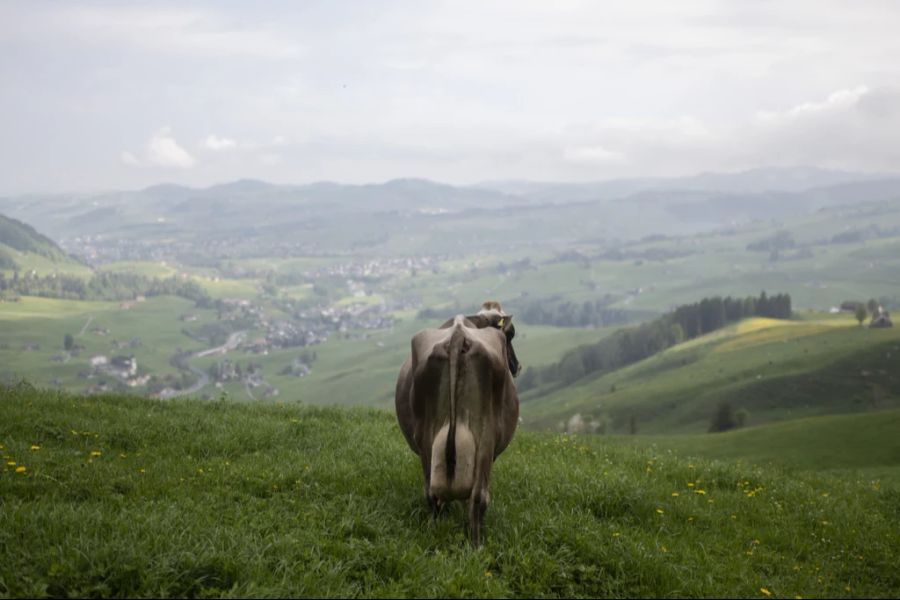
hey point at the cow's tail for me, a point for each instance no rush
(456, 346)
(453, 452)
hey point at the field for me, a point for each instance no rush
(775, 370)
(858, 445)
(118, 496)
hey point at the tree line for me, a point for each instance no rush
(598, 313)
(632, 344)
(102, 286)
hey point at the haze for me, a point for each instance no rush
(103, 96)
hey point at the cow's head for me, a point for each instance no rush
(504, 323)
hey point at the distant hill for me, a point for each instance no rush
(775, 370)
(21, 246)
(752, 181)
(415, 216)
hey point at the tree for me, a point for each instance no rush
(723, 419)
(68, 342)
(861, 313)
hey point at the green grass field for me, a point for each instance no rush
(119, 496)
(776, 370)
(863, 445)
(45, 322)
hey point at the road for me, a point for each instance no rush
(234, 340)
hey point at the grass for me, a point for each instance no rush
(132, 497)
(776, 370)
(45, 322)
(862, 443)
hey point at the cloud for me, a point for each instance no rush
(218, 144)
(592, 154)
(171, 31)
(161, 150)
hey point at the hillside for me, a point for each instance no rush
(773, 369)
(23, 248)
(118, 496)
(865, 444)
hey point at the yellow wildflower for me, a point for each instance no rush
(20, 469)
(675, 494)
(488, 574)
(35, 447)
(765, 591)
(701, 492)
(95, 453)
(659, 510)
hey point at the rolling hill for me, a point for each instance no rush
(775, 370)
(22, 248)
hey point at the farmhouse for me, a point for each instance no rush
(881, 319)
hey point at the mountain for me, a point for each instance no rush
(753, 181)
(418, 216)
(22, 247)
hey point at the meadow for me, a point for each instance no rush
(121, 496)
(774, 369)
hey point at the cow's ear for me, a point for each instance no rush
(506, 326)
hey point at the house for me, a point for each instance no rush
(881, 318)
(123, 366)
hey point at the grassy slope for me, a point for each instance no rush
(46, 321)
(136, 497)
(866, 444)
(775, 369)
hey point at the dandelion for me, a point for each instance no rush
(35, 447)
(95, 453)
(488, 574)
(675, 494)
(616, 534)
(690, 484)
(660, 511)
(663, 549)
(700, 492)
(11, 463)
(765, 591)
(20, 469)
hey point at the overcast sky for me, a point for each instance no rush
(113, 95)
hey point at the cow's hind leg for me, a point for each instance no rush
(435, 504)
(479, 501)
(478, 504)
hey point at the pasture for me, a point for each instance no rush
(776, 370)
(121, 496)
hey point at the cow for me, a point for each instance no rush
(457, 407)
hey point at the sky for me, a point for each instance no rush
(99, 96)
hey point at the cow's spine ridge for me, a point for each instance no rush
(456, 344)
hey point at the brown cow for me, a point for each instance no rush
(458, 408)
